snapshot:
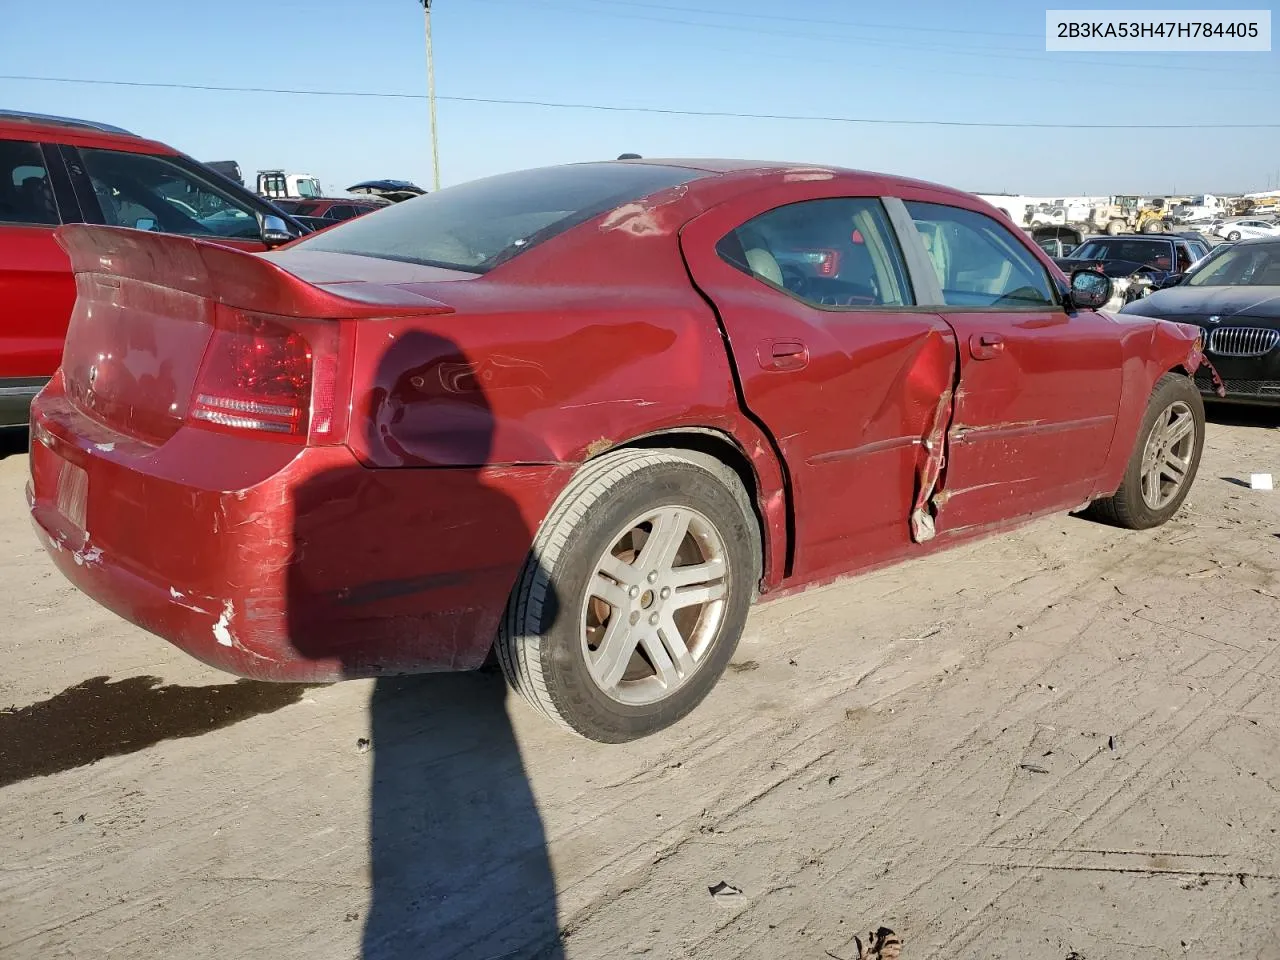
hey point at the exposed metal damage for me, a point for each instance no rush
(924, 509)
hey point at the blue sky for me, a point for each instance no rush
(981, 60)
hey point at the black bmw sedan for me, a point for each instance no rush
(1234, 294)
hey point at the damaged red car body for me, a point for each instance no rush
(594, 426)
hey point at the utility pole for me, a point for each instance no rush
(431, 99)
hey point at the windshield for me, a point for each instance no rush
(1117, 248)
(308, 187)
(478, 225)
(1249, 265)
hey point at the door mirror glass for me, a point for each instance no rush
(1090, 290)
(275, 231)
(144, 223)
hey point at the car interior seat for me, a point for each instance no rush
(35, 201)
(759, 257)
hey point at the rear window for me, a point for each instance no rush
(1118, 248)
(477, 226)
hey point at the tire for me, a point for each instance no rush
(556, 609)
(1114, 227)
(1153, 226)
(1233, 236)
(1129, 507)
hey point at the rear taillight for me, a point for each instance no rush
(275, 376)
(829, 265)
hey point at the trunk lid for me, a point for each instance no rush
(146, 309)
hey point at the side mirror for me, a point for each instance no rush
(275, 231)
(1090, 290)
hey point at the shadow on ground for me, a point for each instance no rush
(13, 441)
(458, 855)
(391, 567)
(1241, 415)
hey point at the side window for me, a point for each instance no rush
(149, 192)
(979, 262)
(26, 196)
(838, 252)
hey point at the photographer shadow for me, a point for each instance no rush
(458, 862)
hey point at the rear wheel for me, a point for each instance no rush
(635, 594)
(1233, 235)
(1114, 227)
(1164, 461)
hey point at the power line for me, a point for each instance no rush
(826, 22)
(665, 111)
(860, 42)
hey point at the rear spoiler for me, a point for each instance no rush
(228, 275)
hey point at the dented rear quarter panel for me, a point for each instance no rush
(591, 340)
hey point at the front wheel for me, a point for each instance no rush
(1164, 461)
(634, 595)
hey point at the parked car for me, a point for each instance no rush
(336, 209)
(397, 191)
(1246, 229)
(1056, 247)
(583, 411)
(1137, 263)
(1234, 295)
(55, 170)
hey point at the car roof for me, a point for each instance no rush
(51, 120)
(754, 172)
(45, 126)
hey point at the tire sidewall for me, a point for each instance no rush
(578, 699)
(1169, 390)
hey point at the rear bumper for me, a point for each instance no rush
(298, 566)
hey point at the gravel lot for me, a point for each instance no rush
(1061, 742)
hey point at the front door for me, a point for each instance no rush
(1039, 387)
(834, 359)
(162, 193)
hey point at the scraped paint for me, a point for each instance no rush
(222, 629)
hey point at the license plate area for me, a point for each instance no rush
(73, 495)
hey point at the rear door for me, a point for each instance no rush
(834, 359)
(37, 289)
(1039, 387)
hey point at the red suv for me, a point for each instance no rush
(54, 170)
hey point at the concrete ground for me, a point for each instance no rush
(1063, 742)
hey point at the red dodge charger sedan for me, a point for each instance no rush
(582, 416)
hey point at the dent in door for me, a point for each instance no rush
(933, 374)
